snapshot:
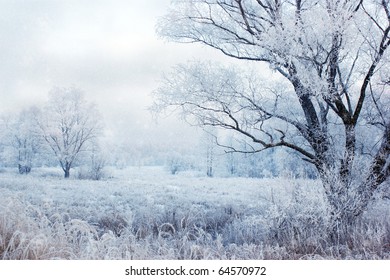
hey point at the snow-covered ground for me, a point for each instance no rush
(147, 213)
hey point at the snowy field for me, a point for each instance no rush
(147, 213)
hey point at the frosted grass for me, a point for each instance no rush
(147, 213)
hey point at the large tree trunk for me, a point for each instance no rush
(66, 169)
(24, 169)
(343, 211)
(67, 173)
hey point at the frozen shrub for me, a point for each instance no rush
(177, 162)
(91, 173)
(97, 164)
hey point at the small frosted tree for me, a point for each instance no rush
(68, 123)
(208, 143)
(26, 139)
(21, 139)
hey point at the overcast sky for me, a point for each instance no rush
(108, 48)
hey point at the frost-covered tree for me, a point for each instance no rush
(68, 123)
(331, 58)
(91, 164)
(207, 142)
(21, 139)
